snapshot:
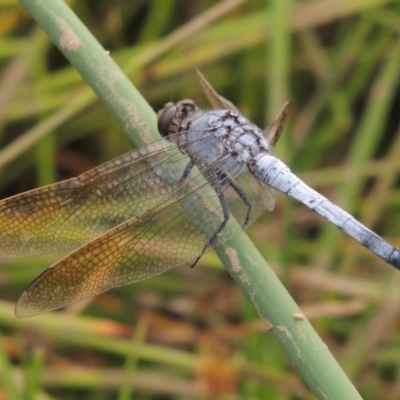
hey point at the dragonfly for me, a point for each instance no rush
(160, 206)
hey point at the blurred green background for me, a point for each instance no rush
(190, 333)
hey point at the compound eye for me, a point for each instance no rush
(165, 117)
(173, 115)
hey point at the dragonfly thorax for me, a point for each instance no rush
(212, 136)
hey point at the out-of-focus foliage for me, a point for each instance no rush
(190, 333)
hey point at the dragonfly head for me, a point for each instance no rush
(172, 116)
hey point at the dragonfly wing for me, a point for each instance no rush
(273, 132)
(70, 213)
(172, 233)
(268, 197)
(217, 101)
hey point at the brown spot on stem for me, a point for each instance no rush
(68, 39)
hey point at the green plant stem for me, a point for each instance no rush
(271, 300)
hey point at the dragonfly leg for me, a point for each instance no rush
(186, 172)
(231, 183)
(225, 213)
(214, 181)
(243, 197)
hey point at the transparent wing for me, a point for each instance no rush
(136, 250)
(171, 232)
(70, 213)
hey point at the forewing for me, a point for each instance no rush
(70, 213)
